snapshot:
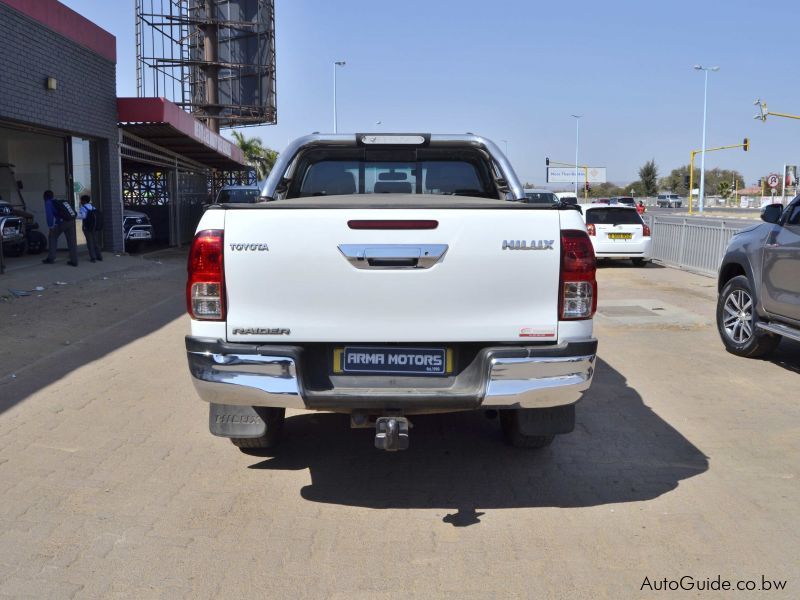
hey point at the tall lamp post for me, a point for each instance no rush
(577, 140)
(338, 63)
(701, 199)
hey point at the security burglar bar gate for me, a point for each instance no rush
(169, 188)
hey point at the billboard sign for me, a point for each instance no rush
(567, 175)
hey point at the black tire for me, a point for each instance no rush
(639, 262)
(37, 242)
(737, 321)
(509, 421)
(274, 418)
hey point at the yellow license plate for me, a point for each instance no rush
(620, 236)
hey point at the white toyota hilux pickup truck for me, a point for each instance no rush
(386, 276)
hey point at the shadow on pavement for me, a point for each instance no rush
(605, 263)
(158, 303)
(620, 451)
(787, 355)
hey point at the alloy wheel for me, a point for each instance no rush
(738, 316)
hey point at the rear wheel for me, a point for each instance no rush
(737, 321)
(273, 418)
(514, 436)
(639, 262)
(37, 242)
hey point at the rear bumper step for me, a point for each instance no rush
(498, 377)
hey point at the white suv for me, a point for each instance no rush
(617, 231)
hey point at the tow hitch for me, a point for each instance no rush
(391, 433)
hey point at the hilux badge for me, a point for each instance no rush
(525, 245)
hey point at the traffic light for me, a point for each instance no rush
(686, 180)
(586, 185)
(547, 161)
(746, 145)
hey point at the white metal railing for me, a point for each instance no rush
(691, 244)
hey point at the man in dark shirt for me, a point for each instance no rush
(58, 223)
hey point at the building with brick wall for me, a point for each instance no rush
(58, 113)
(60, 127)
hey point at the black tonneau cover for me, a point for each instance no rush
(388, 201)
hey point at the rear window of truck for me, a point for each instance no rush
(613, 216)
(435, 172)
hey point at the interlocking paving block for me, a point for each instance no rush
(648, 312)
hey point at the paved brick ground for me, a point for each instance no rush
(684, 462)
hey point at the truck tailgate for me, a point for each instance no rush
(288, 278)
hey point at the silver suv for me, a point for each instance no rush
(759, 283)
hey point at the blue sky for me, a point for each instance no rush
(515, 70)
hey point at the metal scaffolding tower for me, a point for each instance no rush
(215, 58)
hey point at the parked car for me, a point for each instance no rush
(137, 228)
(420, 321)
(567, 198)
(759, 284)
(618, 232)
(34, 240)
(625, 200)
(13, 231)
(238, 194)
(669, 201)
(535, 196)
(601, 201)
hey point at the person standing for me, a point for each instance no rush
(60, 219)
(90, 226)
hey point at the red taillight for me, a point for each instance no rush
(205, 288)
(393, 224)
(577, 297)
(645, 230)
(591, 229)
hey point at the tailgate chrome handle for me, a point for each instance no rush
(393, 256)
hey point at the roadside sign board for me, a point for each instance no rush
(567, 175)
(773, 180)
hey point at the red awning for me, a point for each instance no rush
(164, 123)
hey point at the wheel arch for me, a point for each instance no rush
(730, 270)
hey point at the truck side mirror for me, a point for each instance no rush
(771, 213)
(19, 185)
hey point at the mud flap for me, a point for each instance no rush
(546, 421)
(236, 421)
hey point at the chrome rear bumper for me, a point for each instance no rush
(499, 377)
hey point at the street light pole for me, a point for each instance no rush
(701, 199)
(338, 63)
(577, 140)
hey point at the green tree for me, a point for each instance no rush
(676, 181)
(648, 176)
(258, 156)
(605, 190)
(716, 177)
(724, 189)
